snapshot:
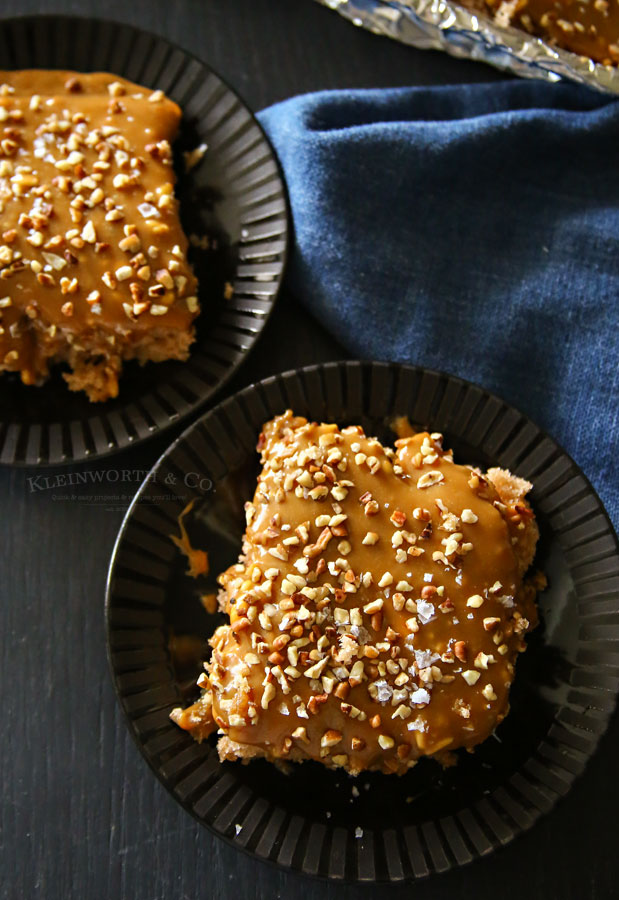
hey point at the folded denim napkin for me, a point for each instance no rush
(473, 229)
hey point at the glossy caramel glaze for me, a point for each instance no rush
(93, 261)
(587, 27)
(378, 606)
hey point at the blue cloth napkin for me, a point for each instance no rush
(473, 229)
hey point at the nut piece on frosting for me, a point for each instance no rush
(377, 608)
(588, 29)
(93, 266)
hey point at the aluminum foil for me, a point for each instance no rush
(441, 25)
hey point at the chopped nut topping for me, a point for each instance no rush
(398, 518)
(330, 738)
(460, 650)
(374, 606)
(429, 479)
(345, 638)
(468, 516)
(482, 660)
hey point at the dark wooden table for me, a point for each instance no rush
(81, 814)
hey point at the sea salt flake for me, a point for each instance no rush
(425, 611)
(417, 724)
(361, 633)
(420, 696)
(425, 658)
(384, 691)
(149, 211)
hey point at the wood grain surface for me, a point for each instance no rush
(81, 815)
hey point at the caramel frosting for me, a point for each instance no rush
(587, 27)
(378, 606)
(93, 260)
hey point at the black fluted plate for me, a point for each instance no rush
(235, 196)
(431, 819)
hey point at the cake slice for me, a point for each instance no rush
(589, 29)
(377, 608)
(93, 265)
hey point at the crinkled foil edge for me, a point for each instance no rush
(440, 25)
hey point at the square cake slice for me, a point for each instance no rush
(377, 608)
(93, 265)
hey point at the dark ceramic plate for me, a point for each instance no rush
(235, 196)
(431, 819)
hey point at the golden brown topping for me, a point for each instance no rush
(588, 29)
(78, 191)
(379, 647)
